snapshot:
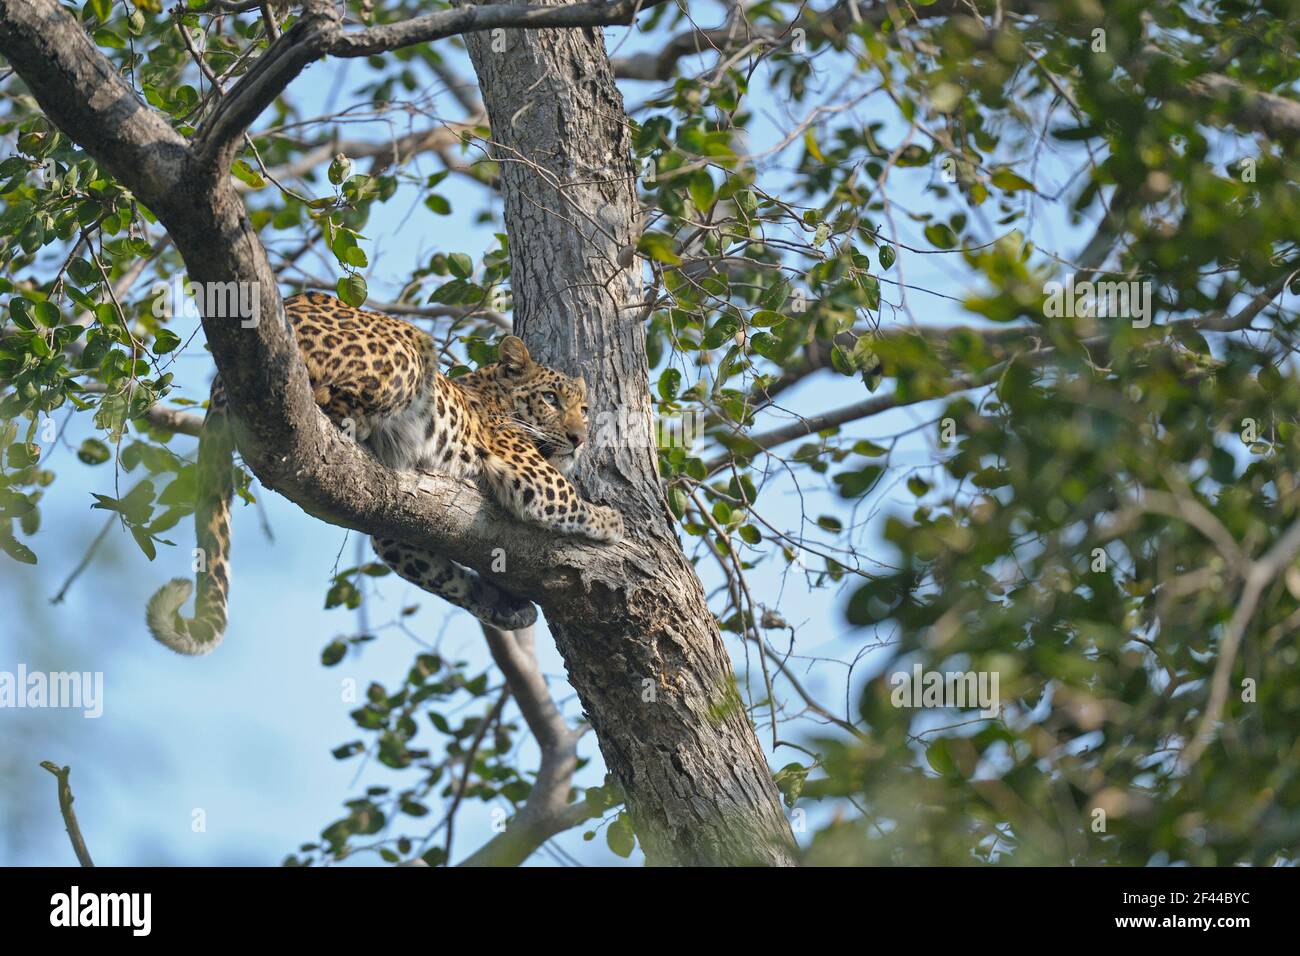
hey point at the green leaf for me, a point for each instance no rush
(726, 367)
(20, 310)
(619, 836)
(46, 314)
(352, 290)
(93, 452)
(702, 190)
(670, 382)
(343, 593)
(841, 361)
(82, 272)
(15, 548)
(659, 247)
(940, 236)
(677, 501)
(165, 341)
(810, 144)
(340, 169)
(461, 265)
(939, 756)
(855, 484)
(790, 781)
(1012, 182)
(145, 542)
(247, 174)
(106, 37)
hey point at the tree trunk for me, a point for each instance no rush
(642, 649)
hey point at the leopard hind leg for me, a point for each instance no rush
(455, 584)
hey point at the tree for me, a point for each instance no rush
(1093, 511)
(653, 605)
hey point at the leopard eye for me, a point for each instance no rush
(585, 409)
(551, 398)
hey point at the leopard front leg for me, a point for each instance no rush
(460, 586)
(535, 491)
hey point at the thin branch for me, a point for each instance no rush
(65, 808)
(1220, 321)
(167, 419)
(726, 40)
(319, 33)
(85, 559)
(471, 754)
(749, 445)
(1275, 116)
(1188, 509)
(1261, 575)
(475, 19)
(547, 810)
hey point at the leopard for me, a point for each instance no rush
(516, 424)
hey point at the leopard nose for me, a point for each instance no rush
(577, 438)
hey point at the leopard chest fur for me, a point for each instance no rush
(433, 432)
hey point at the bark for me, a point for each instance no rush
(642, 649)
(629, 619)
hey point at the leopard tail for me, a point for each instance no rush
(202, 633)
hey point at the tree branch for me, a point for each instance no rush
(460, 20)
(749, 445)
(1275, 116)
(81, 90)
(1259, 576)
(281, 434)
(306, 41)
(319, 33)
(69, 816)
(725, 39)
(547, 810)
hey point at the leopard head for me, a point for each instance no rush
(548, 405)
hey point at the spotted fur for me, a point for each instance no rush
(518, 424)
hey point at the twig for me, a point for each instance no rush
(492, 717)
(85, 560)
(1260, 575)
(69, 817)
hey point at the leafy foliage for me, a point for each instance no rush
(1079, 510)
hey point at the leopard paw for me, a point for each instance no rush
(605, 525)
(503, 611)
(511, 618)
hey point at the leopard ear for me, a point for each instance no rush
(514, 355)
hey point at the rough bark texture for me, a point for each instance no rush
(630, 618)
(642, 649)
